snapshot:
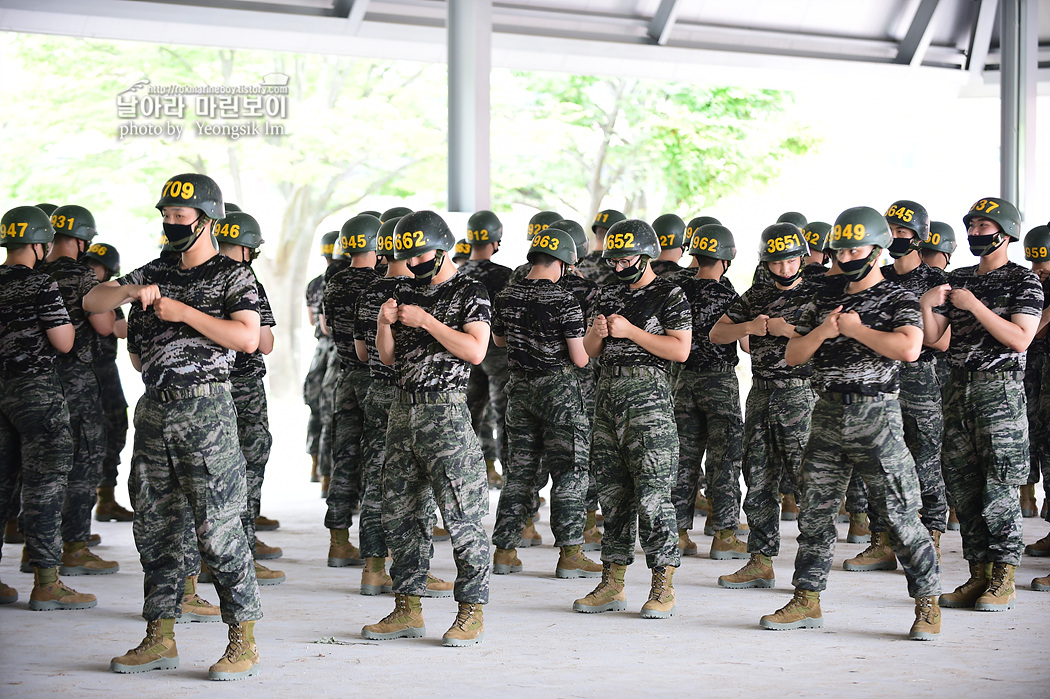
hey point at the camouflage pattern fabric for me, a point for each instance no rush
(585, 292)
(366, 318)
(709, 299)
(344, 491)
(373, 458)
(767, 351)
(482, 418)
(814, 271)
(325, 447)
(75, 279)
(114, 418)
(665, 268)
(519, 273)
(856, 495)
(1033, 384)
(583, 289)
(312, 392)
(253, 435)
(186, 453)
(253, 364)
(1044, 421)
(656, 307)
(776, 428)
(536, 317)
(594, 268)
(81, 389)
(35, 441)
(918, 281)
(986, 457)
(866, 437)
(314, 301)
(341, 295)
(30, 304)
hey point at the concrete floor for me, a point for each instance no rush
(535, 645)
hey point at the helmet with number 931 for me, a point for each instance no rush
(670, 231)
(484, 227)
(631, 237)
(782, 241)
(74, 221)
(911, 215)
(1037, 244)
(859, 226)
(420, 232)
(1001, 212)
(358, 234)
(25, 225)
(195, 191)
(712, 240)
(239, 228)
(554, 242)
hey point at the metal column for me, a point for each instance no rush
(469, 26)
(1019, 44)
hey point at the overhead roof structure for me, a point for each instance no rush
(772, 43)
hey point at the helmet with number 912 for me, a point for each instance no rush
(195, 191)
(631, 237)
(358, 234)
(859, 226)
(239, 228)
(25, 225)
(541, 221)
(607, 218)
(105, 255)
(1001, 212)
(554, 242)
(1037, 244)
(911, 215)
(484, 227)
(420, 232)
(670, 230)
(74, 221)
(385, 238)
(712, 240)
(579, 236)
(782, 241)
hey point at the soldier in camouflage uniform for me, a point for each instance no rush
(707, 402)
(816, 263)
(196, 315)
(319, 363)
(333, 369)
(104, 259)
(35, 439)
(638, 327)
(539, 222)
(442, 327)
(541, 325)
(761, 275)
(239, 238)
(74, 229)
(781, 400)
(461, 252)
(920, 395)
(855, 339)
(592, 267)
(670, 230)
(1037, 389)
(993, 309)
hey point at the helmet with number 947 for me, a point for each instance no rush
(631, 237)
(195, 191)
(782, 241)
(74, 221)
(712, 240)
(358, 234)
(1001, 212)
(105, 255)
(239, 228)
(541, 221)
(25, 225)
(859, 226)
(911, 215)
(554, 242)
(484, 227)
(420, 232)
(1037, 244)
(670, 230)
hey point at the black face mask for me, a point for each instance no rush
(900, 247)
(981, 245)
(855, 270)
(785, 281)
(424, 272)
(630, 275)
(181, 237)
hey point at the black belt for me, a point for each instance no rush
(723, 368)
(770, 384)
(850, 398)
(435, 397)
(968, 376)
(166, 395)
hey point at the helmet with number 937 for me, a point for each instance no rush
(554, 242)
(195, 191)
(712, 240)
(358, 234)
(484, 227)
(911, 215)
(420, 232)
(239, 228)
(631, 237)
(25, 225)
(1001, 212)
(670, 230)
(782, 241)
(859, 226)
(1037, 244)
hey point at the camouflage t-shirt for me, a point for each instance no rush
(253, 365)
(75, 280)
(108, 344)
(767, 351)
(30, 304)
(520, 272)
(341, 294)
(656, 307)
(593, 267)
(495, 277)
(421, 363)
(366, 318)
(845, 365)
(1041, 345)
(1006, 291)
(665, 268)
(762, 276)
(584, 290)
(174, 355)
(918, 281)
(536, 316)
(314, 298)
(814, 271)
(709, 299)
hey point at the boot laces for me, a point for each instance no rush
(656, 592)
(924, 609)
(465, 614)
(237, 643)
(998, 582)
(153, 636)
(797, 600)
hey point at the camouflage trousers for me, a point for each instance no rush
(35, 442)
(867, 437)
(253, 434)
(432, 452)
(114, 419)
(1037, 432)
(776, 427)
(326, 438)
(376, 406)
(856, 496)
(634, 452)
(344, 492)
(187, 463)
(707, 413)
(588, 378)
(488, 412)
(1044, 436)
(81, 389)
(312, 393)
(547, 433)
(986, 457)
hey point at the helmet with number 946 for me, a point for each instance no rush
(911, 215)
(105, 255)
(631, 237)
(670, 230)
(420, 232)
(195, 191)
(859, 226)
(239, 228)
(1001, 212)
(1037, 244)
(25, 225)
(554, 242)
(74, 221)
(782, 241)
(358, 234)
(541, 221)
(712, 240)
(484, 227)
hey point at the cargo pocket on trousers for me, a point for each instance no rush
(1002, 429)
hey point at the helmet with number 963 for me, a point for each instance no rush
(782, 241)
(554, 242)
(420, 232)
(859, 226)
(712, 240)
(631, 237)
(460, 252)
(385, 238)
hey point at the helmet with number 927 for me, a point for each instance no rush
(670, 230)
(420, 232)
(554, 242)
(782, 241)
(859, 226)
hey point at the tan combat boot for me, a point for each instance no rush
(241, 658)
(936, 536)
(50, 593)
(506, 561)
(326, 483)
(965, 596)
(592, 538)
(265, 576)
(1040, 548)
(406, 621)
(802, 612)
(78, 560)
(953, 520)
(788, 508)
(573, 564)
(264, 552)
(8, 594)
(195, 607)
(265, 524)
(315, 477)
(1041, 584)
(1029, 505)
(108, 510)
(758, 572)
(608, 596)
(858, 532)
(436, 587)
(686, 546)
(878, 556)
(11, 533)
(494, 478)
(1001, 592)
(468, 629)
(374, 578)
(440, 534)
(927, 626)
(660, 604)
(725, 545)
(156, 652)
(341, 553)
(702, 506)
(529, 535)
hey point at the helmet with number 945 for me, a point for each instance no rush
(358, 234)
(554, 242)
(420, 232)
(911, 215)
(1001, 212)
(25, 225)
(631, 237)
(195, 191)
(712, 240)
(74, 221)
(1037, 244)
(484, 227)
(239, 228)
(859, 226)
(782, 241)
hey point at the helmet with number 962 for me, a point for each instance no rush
(25, 225)
(712, 240)
(239, 228)
(105, 255)
(195, 191)
(554, 242)
(782, 241)
(420, 232)
(670, 230)
(859, 226)
(541, 221)
(74, 221)
(1001, 212)
(484, 227)
(1037, 244)
(911, 215)
(631, 237)
(358, 234)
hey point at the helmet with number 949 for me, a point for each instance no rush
(670, 230)
(484, 227)
(1037, 244)
(239, 228)
(358, 234)
(25, 225)
(911, 215)
(782, 241)
(859, 226)
(712, 240)
(554, 242)
(1001, 212)
(541, 221)
(195, 191)
(631, 237)
(420, 232)
(74, 221)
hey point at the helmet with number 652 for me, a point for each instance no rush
(1003, 213)
(1037, 244)
(358, 234)
(74, 221)
(631, 237)
(859, 226)
(782, 241)
(911, 215)
(193, 190)
(484, 227)
(25, 225)
(420, 232)
(554, 242)
(239, 228)
(712, 240)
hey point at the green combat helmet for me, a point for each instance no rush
(395, 212)
(25, 225)
(105, 255)
(358, 235)
(239, 228)
(1037, 244)
(196, 191)
(942, 238)
(1000, 211)
(911, 215)
(855, 228)
(328, 243)
(579, 236)
(370, 212)
(606, 219)
(712, 240)
(817, 234)
(793, 217)
(459, 254)
(541, 221)
(670, 231)
(554, 242)
(74, 221)
(693, 226)
(782, 241)
(47, 208)
(484, 227)
(628, 238)
(385, 238)
(230, 206)
(420, 232)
